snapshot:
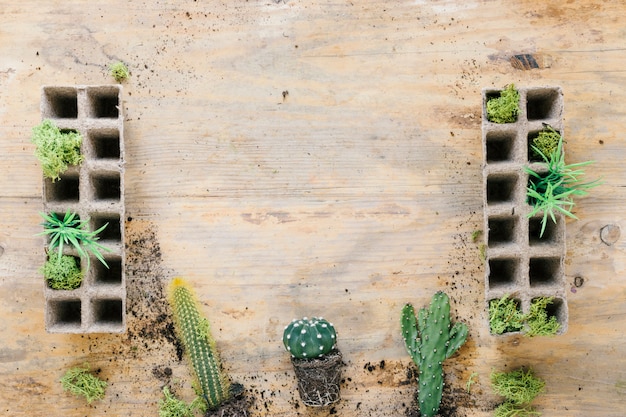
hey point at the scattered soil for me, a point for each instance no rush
(150, 322)
(237, 407)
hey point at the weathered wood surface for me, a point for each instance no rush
(353, 193)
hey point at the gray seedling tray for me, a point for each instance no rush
(518, 261)
(94, 190)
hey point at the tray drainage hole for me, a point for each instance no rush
(544, 271)
(501, 189)
(105, 144)
(501, 230)
(60, 103)
(550, 233)
(502, 272)
(66, 312)
(542, 104)
(110, 276)
(107, 311)
(556, 309)
(104, 102)
(64, 190)
(106, 186)
(113, 229)
(500, 146)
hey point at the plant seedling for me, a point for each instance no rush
(62, 272)
(119, 71)
(56, 150)
(71, 230)
(79, 381)
(553, 191)
(504, 109)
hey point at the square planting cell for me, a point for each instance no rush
(103, 102)
(112, 231)
(60, 103)
(108, 312)
(501, 188)
(544, 271)
(108, 276)
(64, 190)
(542, 104)
(106, 185)
(500, 146)
(557, 309)
(105, 143)
(532, 157)
(502, 272)
(65, 313)
(501, 230)
(551, 231)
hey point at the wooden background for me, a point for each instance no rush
(355, 191)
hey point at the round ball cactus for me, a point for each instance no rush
(309, 338)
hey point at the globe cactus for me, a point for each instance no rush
(309, 338)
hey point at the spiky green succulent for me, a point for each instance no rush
(430, 338)
(309, 338)
(553, 192)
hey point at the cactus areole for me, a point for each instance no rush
(430, 339)
(309, 338)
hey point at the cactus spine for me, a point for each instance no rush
(309, 338)
(194, 333)
(430, 339)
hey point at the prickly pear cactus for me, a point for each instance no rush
(194, 333)
(430, 339)
(309, 338)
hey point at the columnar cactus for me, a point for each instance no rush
(430, 339)
(194, 333)
(309, 338)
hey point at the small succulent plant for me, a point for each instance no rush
(309, 338)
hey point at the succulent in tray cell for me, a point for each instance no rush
(71, 230)
(552, 192)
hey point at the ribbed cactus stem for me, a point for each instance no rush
(194, 333)
(430, 339)
(309, 338)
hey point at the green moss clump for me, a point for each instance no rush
(505, 315)
(539, 324)
(171, 406)
(519, 386)
(546, 143)
(56, 150)
(62, 273)
(80, 382)
(119, 71)
(508, 409)
(504, 109)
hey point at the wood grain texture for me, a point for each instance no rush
(352, 194)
